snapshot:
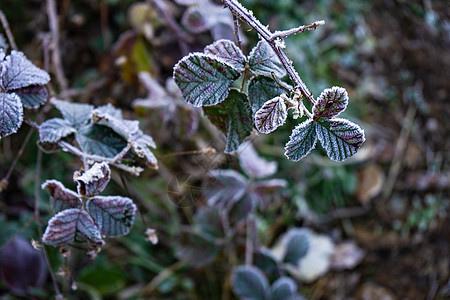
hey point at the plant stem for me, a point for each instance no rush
(7, 30)
(275, 41)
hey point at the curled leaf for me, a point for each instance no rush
(61, 198)
(203, 79)
(94, 180)
(271, 115)
(330, 103)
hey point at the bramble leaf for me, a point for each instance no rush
(32, 96)
(207, 220)
(263, 61)
(94, 180)
(76, 114)
(19, 72)
(204, 80)
(52, 130)
(100, 140)
(340, 137)
(261, 89)
(228, 52)
(71, 225)
(271, 115)
(249, 283)
(196, 249)
(297, 245)
(241, 209)
(302, 140)
(114, 215)
(11, 114)
(61, 198)
(222, 188)
(267, 191)
(330, 103)
(282, 289)
(254, 165)
(233, 118)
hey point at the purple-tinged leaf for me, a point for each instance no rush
(52, 130)
(75, 113)
(71, 225)
(222, 188)
(330, 103)
(94, 180)
(195, 20)
(22, 267)
(261, 89)
(263, 61)
(271, 115)
(100, 140)
(302, 140)
(249, 283)
(32, 96)
(114, 215)
(228, 52)
(232, 117)
(254, 165)
(241, 209)
(61, 198)
(340, 137)
(282, 289)
(203, 79)
(11, 114)
(196, 249)
(267, 191)
(19, 72)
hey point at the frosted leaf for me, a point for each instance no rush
(100, 140)
(94, 180)
(75, 113)
(32, 96)
(71, 225)
(140, 146)
(222, 188)
(204, 80)
(261, 89)
(263, 61)
(282, 289)
(11, 114)
(254, 165)
(228, 52)
(249, 283)
(3, 46)
(330, 103)
(61, 198)
(19, 72)
(340, 137)
(271, 115)
(52, 130)
(114, 215)
(110, 110)
(267, 191)
(302, 140)
(232, 117)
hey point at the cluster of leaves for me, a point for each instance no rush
(21, 85)
(205, 80)
(100, 132)
(84, 216)
(231, 198)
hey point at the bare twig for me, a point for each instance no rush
(236, 32)
(181, 36)
(5, 25)
(275, 41)
(249, 241)
(56, 54)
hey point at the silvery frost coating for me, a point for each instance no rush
(102, 216)
(21, 85)
(271, 115)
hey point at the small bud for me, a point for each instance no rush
(151, 236)
(36, 245)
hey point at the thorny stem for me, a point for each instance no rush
(236, 32)
(275, 41)
(7, 30)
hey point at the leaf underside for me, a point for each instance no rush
(32, 96)
(204, 80)
(61, 198)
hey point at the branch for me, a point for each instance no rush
(7, 30)
(275, 41)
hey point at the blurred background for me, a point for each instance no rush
(384, 213)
